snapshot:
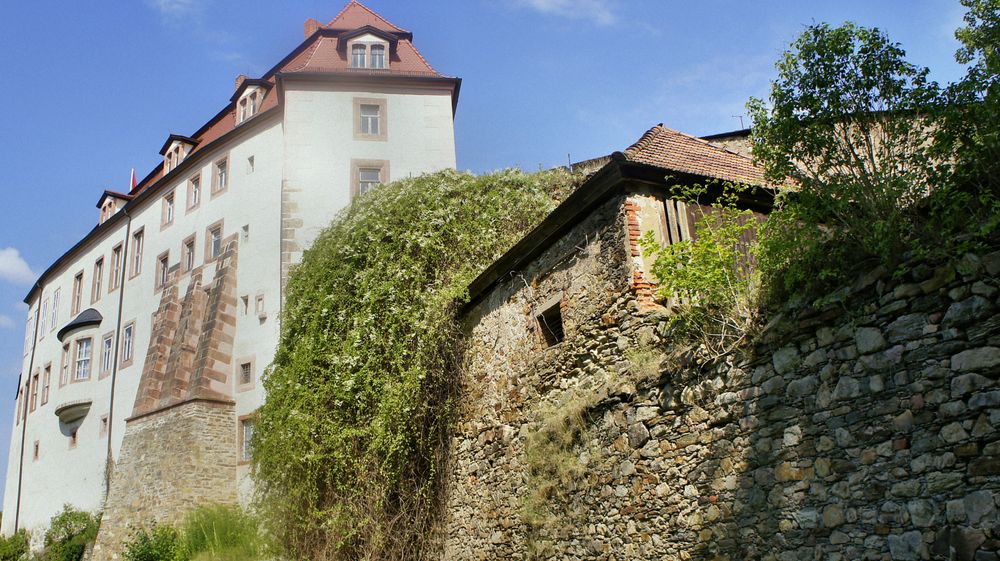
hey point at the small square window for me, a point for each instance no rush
(550, 325)
(246, 374)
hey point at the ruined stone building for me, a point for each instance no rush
(146, 340)
(864, 428)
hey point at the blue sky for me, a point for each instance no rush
(94, 88)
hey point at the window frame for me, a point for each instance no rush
(383, 118)
(169, 210)
(115, 271)
(238, 371)
(55, 308)
(77, 293)
(188, 254)
(162, 271)
(127, 357)
(65, 365)
(46, 382)
(356, 49)
(358, 165)
(242, 442)
(107, 355)
(194, 187)
(78, 344)
(96, 282)
(218, 190)
(33, 384)
(138, 241)
(384, 58)
(220, 226)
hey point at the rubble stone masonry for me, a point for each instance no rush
(867, 429)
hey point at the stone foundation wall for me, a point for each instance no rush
(864, 430)
(171, 462)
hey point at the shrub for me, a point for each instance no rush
(160, 543)
(350, 443)
(16, 547)
(710, 278)
(69, 534)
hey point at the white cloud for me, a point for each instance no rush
(13, 268)
(597, 11)
(174, 9)
(6, 322)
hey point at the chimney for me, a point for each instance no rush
(239, 80)
(311, 26)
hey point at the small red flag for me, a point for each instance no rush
(133, 183)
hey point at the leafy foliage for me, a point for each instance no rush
(15, 547)
(882, 162)
(709, 278)
(69, 534)
(352, 437)
(160, 543)
(847, 123)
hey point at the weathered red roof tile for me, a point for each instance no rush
(670, 149)
(355, 15)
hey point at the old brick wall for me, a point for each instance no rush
(865, 430)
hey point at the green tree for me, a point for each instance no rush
(846, 126)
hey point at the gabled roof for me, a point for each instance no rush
(355, 15)
(114, 195)
(178, 138)
(248, 83)
(669, 149)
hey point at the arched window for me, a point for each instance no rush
(378, 56)
(358, 56)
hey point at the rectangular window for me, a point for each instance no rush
(37, 451)
(55, 309)
(370, 118)
(168, 210)
(95, 288)
(358, 56)
(550, 325)
(246, 439)
(128, 341)
(377, 56)
(258, 307)
(187, 254)
(250, 164)
(82, 369)
(368, 179)
(243, 110)
(46, 382)
(34, 391)
(42, 318)
(107, 354)
(220, 176)
(137, 239)
(64, 366)
(246, 375)
(115, 280)
(29, 331)
(162, 269)
(194, 192)
(213, 242)
(77, 294)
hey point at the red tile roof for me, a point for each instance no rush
(669, 149)
(355, 15)
(319, 54)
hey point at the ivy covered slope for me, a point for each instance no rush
(352, 436)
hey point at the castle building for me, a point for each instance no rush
(146, 340)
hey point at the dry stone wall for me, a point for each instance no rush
(864, 430)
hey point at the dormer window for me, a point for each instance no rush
(174, 150)
(358, 56)
(248, 104)
(377, 56)
(368, 50)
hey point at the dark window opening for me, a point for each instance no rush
(551, 326)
